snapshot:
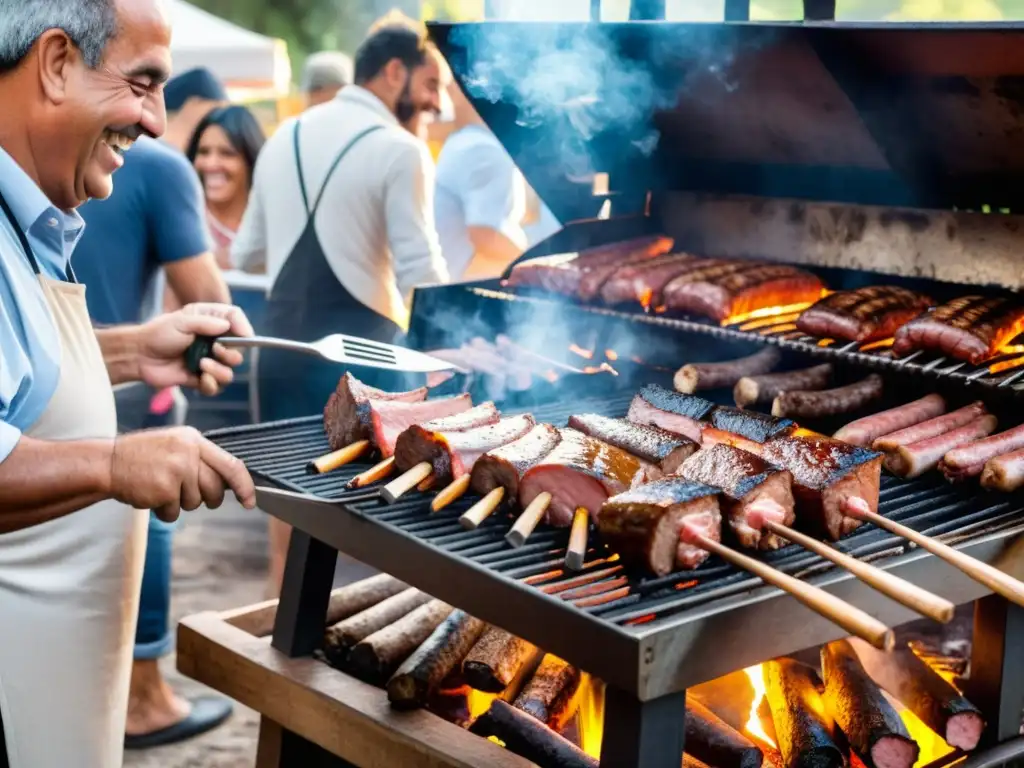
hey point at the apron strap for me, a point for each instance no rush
(311, 212)
(69, 273)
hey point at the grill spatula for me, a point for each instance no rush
(337, 348)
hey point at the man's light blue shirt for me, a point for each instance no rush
(29, 344)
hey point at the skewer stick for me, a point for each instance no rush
(404, 483)
(374, 473)
(529, 520)
(849, 617)
(993, 578)
(577, 540)
(338, 458)
(453, 492)
(482, 509)
(890, 585)
(427, 484)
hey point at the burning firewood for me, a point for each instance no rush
(712, 740)
(550, 694)
(802, 727)
(434, 660)
(340, 639)
(531, 739)
(871, 724)
(495, 661)
(924, 692)
(377, 657)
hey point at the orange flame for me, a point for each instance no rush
(1006, 365)
(753, 724)
(591, 715)
(785, 309)
(753, 325)
(611, 354)
(779, 328)
(576, 349)
(882, 344)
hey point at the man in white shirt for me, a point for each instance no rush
(341, 214)
(480, 201)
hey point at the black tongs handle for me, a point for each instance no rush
(200, 348)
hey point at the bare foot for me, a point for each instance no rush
(152, 704)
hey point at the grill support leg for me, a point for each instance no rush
(643, 734)
(997, 666)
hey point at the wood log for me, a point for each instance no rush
(530, 739)
(434, 660)
(340, 639)
(551, 692)
(712, 740)
(352, 598)
(802, 728)
(377, 657)
(495, 660)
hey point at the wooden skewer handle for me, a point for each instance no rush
(404, 483)
(839, 612)
(993, 578)
(482, 509)
(902, 591)
(529, 520)
(453, 492)
(339, 458)
(374, 473)
(577, 540)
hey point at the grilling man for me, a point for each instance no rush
(79, 81)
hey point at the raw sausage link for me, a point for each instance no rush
(828, 402)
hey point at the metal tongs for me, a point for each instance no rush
(336, 348)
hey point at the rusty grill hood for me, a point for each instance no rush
(894, 115)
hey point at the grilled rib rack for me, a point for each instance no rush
(648, 637)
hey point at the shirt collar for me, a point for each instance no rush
(356, 94)
(33, 210)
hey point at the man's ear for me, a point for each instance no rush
(394, 73)
(55, 55)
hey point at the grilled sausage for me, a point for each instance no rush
(913, 460)
(433, 661)
(549, 694)
(1004, 473)
(865, 431)
(754, 390)
(340, 639)
(970, 328)
(874, 729)
(697, 376)
(495, 660)
(377, 657)
(930, 428)
(828, 402)
(969, 460)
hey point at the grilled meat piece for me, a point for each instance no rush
(930, 428)
(644, 525)
(659, 407)
(505, 466)
(764, 388)
(864, 314)
(565, 273)
(579, 472)
(453, 454)
(752, 490)
(347, 413)
(658, 447)
(871, 724)
(826, 473)
(914, 459)
(829, 402)
(970, 328)
(477, 416)
(750, 425)
(864, 432)
(1004, 473)
(390, 418)
(696, 376)
(969, 460)
(642, 282)
(727, 292)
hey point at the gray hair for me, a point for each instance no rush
(89, 23)
(327, 69)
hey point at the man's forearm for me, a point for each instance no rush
(42, 480)
(120, 348)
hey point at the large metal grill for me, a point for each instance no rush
(481, 573)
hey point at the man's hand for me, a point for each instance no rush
(163, 341)
(168, 470)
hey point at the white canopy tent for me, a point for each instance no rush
(245, 61)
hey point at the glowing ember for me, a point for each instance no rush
(753, 724)
(611, 354)
(779, 328)
(753, 325)
(478, 702)
(826, 342)
(882, 344)
(646, 297)
(1011, 349)
(787, 309)
(587, 354)
(1006, 365)
(932, 746)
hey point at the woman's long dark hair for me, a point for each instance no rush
(242, 129)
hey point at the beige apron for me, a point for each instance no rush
(69, 588)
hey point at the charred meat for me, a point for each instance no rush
(642, 283)
(697, 376)
(658, 447)
(503, 467)
(347, 415)
(971, 328)
(753, 490)
(864, 314)
(749, 424)
(660, 407)
(644, 525)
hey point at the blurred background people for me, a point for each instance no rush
(324, 74)
(223, 150)
(480, 201)
(153, 224)
(189, 97)
(342, 215)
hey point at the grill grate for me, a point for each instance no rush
(279, 452)
(1003, 372)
